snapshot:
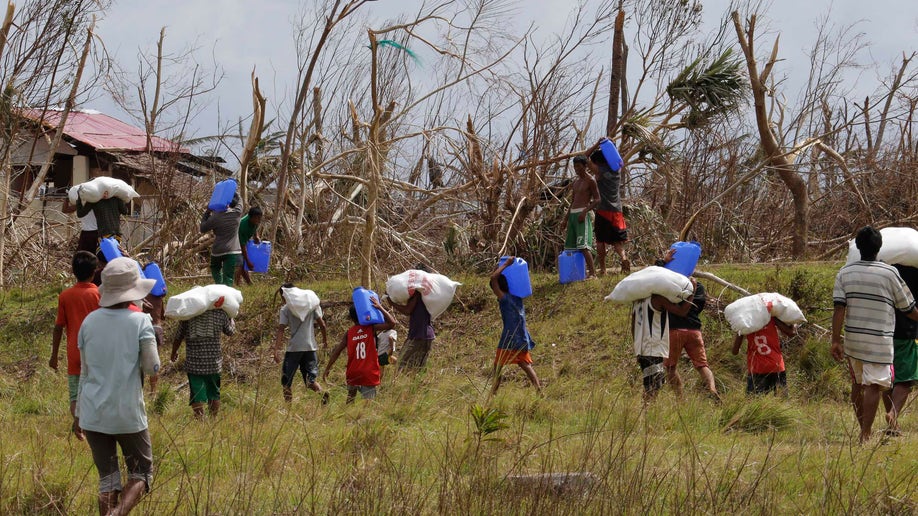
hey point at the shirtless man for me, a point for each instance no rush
(579, 219)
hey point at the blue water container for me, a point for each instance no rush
(610, 152)
(153, 272)
(110, 248)
(223, 195)
(259, 255)
(686, 257)
(571, 266)
(517, 277)
(367, 314)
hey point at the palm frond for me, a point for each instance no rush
(710, 89)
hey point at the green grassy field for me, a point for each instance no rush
(418, 449)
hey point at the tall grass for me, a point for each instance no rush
(420, 448)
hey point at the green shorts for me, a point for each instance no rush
(73, 384)
(579, 234)
(905, 360)
(203, 388)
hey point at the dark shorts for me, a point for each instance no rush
(383, 359)
(89, 241)
(765, 383)
(652, 371)
(203, 388)
(610, 231)
(138, 457)
(306, 361)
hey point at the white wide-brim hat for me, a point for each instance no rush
(121, 281)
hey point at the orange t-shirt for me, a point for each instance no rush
(73, 305)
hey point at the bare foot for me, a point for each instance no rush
(626, 266)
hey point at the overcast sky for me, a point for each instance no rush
(245, 33)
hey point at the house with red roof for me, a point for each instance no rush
(94, 144)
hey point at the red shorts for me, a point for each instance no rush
(512, 356)
(609, 227)
(691, 342)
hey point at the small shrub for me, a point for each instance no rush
(820, 375)
(487, 420)
(757, 415)
(164, 397)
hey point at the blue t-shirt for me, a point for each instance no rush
(515, 336)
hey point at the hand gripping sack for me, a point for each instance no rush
(102, 188)
(300, 301)
(900, 246)
(747, 314)
(198, 300)
(652, 280)
(436, 289)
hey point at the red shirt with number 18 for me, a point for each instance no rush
(763, 354)
(362, 360)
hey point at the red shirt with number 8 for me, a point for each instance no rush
(362, 360)
(763, 353)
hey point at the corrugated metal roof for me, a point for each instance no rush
(103, 132)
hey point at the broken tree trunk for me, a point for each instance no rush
(777, 160)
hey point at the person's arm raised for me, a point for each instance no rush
(495, 286)
(788, 329)
(661, 303)
(389, 321)
(408, 307)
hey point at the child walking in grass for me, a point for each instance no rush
(515, 341)
(73, 305)
(362, 372)
(764, 360)
(301, 347)
(203, 357)
(385, 347)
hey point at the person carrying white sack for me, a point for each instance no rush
(650, 330)
(420, 329)
(108, 214)
(301, 313)
(654, 292)
(117, 347)
(866, 295)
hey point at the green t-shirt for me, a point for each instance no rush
(246, 230)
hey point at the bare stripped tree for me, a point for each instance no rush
(777, 159)
(333, 15)
(165, 93)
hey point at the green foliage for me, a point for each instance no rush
(164, 397)
(434, 442)
(710, 88)
(821, 376)
(487, 420)
(758, 414)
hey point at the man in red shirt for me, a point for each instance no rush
(73, 305)
(362, 359)
(764, 359)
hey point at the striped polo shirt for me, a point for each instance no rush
(872, 292)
